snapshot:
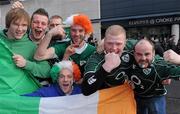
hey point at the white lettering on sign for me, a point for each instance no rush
(177, 19)
(156, 20)
(164, 20)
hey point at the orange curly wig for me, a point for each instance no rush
(76, 72)
(82, 20)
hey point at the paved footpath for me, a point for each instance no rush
(173, 98)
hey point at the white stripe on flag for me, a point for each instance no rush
(74, 104)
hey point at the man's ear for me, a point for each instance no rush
(100, 46)
(133, 52)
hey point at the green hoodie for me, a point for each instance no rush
(19, 80)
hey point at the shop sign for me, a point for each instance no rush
(155, 21)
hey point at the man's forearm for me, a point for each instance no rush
(93, 81)
(43, 47)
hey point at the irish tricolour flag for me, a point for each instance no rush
(116, 100)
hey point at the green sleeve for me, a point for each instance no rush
(38, 68)
(94, 63)
(174, 71)
(166, 69)
(60, 49)
(130, 44)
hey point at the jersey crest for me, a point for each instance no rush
(82, 63)
(147, 71)
(125, 58)
(91, 80)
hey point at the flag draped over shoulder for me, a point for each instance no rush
(13, 79)
(116, 100)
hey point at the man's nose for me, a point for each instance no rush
(65, 78)
(77, 33)
(20, 27)
(39, 24)
(143, 57)
(114, 48)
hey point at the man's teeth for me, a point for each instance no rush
(65, 84)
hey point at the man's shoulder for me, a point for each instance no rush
(76, 90)
(97, 55)
(89, 50)
(127, 57)
(26, 40)
(61, 44)
(95, 59)
(159, 62)
(158, 59)
(130, 43)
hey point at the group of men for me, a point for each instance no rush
(90, 70)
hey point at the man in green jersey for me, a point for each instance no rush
(77, 49)
(147, 74)
(106, 68)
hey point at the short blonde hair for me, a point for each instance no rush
(115, 30)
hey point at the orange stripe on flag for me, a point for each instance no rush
(117, 100)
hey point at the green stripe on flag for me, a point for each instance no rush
(4, 45)
(19, 105)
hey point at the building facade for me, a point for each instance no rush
(151, 18)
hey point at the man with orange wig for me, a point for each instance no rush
(77, 49)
